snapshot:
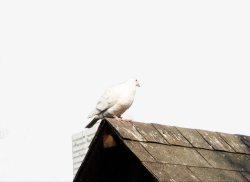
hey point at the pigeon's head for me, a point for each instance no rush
(134, 81)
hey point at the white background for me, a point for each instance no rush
(57, 58)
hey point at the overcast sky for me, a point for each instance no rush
(192, 59)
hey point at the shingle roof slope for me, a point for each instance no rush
(180, 154)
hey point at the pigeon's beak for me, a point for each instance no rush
(137, 84)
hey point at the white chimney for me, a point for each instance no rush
(80, 146)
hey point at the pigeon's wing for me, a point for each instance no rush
(107, 100)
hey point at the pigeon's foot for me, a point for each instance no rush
(123, 120)
(127, 120)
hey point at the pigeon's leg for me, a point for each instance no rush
(127, 120)
(118, 118)
(122, 119)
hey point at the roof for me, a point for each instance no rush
(180, 154)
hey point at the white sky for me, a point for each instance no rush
(57, 57)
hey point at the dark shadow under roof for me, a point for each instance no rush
(180, 154)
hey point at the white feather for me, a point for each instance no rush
(115, 100)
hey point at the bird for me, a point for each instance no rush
(114, 102)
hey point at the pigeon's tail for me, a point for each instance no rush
(92, 122)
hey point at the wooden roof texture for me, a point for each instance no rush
(180, 154)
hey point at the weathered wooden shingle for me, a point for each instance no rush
(167, 172)
(172, 135)
(237, 142)
(126, 130)
(149, 132)
(217, 175)
(175, 154)
(215, 140)
(226, 160)
(246, 175)
(194, 138)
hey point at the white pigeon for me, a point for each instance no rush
(115, 101)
